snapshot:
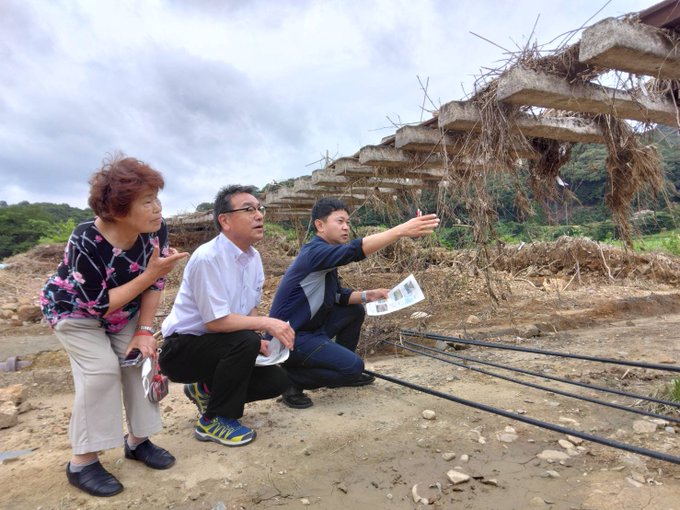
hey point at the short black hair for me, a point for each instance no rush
(325, 206)
(223, 200)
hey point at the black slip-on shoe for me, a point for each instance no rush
(294, 397)
(151, 455)
(362, 380)
(95, 480)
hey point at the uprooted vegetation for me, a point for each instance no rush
(544, 272)
(549, 275)
(495, 158)
(568, 256)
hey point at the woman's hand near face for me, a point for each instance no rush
(156, 268)
(160, 266)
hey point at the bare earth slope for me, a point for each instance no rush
(369, 447)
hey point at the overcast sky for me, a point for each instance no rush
(217, 92)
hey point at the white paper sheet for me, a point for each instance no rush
(278, 353)
(403, 295)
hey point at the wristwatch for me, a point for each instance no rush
(363, 297)
(146, 328)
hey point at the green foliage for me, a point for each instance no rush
(455, 238)
(274, 185)
(672, 244)
(58, 232)
(589, 214)
(204, 207)
(23, 225)
(668, 242)
(20, 228)
(277, 230)
(673, 391)
(653, 223)
(513, 232)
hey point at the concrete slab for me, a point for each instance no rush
(189, 220)
(427, 139)
(391, 183)
(564, 129)
(344, 162)
(383, 156)
(355, 171)
(326, 178)
(460, 116)
(395, 173)
(631, 47)
(284, 201)
(302, 183)
(282, 213)
(528, 87)
(463, 115)
(286, 195)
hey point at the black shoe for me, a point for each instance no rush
(151, 455)
(362, 380)
(94, 480)
(293, 397)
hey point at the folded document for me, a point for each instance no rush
(278, 353)
(405, 294)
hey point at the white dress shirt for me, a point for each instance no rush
(218, 280)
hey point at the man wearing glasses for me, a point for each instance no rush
(211, 334)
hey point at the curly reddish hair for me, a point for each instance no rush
(118, 183)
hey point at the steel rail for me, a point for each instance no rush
(551, 377)
(494, 345)
(533, 421)
(544, 388)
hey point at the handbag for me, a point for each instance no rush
(156, 385)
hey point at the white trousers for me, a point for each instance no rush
(97, 417)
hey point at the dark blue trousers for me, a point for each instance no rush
(317, 361)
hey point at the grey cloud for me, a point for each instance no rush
(22, 32)
(190, 110)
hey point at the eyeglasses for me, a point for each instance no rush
(250, 210)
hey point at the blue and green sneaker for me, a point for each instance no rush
(228, 432)
(199, 397)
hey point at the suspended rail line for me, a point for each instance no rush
(533, 421)
(427, 351)
(494, 345)
(536, 386)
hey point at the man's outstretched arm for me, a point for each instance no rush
(415, 227)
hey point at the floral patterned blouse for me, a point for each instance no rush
(91, 266)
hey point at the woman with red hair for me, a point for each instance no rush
(101, 303)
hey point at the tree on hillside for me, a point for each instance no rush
(23, 225)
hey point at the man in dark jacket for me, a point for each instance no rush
(318, 309)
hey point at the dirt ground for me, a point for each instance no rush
(369, 447)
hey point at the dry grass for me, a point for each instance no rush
(632, 167)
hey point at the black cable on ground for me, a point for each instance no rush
(544, 388)
(533, 421)
(551, 377)
(638, 364)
